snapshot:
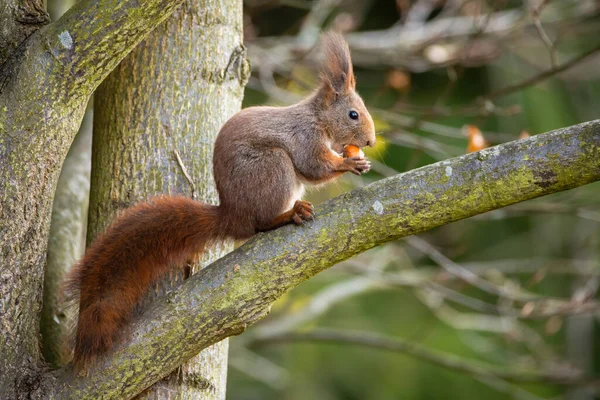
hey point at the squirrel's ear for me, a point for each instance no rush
(337, 75)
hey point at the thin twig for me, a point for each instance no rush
(333, 294)
(409, 122)
(564, 376)
(313, 22)
(400, 46)
(464, 273)
(541, 77)
(259, 368)
(185, 173)
(502, 385)
(534, 306)
(539, 207)
(433, 148)
(545, 38)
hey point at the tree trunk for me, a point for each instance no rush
(66, 243)
(156, 119)
(68, 226)
(46, 78)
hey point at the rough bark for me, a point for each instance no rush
(18, 20)
(68, 59)
(68, 228)
(237, 290)
(66, 242)
(157, 114)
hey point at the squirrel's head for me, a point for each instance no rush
(341, 111)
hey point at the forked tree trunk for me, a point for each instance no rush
(66, 243)
(156, 118)
(46, 78)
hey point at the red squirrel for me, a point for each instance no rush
(263, 157)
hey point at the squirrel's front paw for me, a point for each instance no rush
(357, 165)
(303, 211)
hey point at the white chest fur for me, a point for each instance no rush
(298, 193)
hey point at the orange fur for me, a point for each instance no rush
(138, 248)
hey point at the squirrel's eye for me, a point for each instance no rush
(353, 114)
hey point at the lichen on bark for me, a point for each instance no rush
(45, 83)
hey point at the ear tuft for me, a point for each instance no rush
(337, 72)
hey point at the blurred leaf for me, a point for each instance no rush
(476, 140)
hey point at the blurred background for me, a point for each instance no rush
(441, 78)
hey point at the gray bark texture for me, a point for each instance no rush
(18, 20)
(68, 228)
(156, 118)
(45, 83)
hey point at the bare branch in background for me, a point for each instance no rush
(313, 22)
(465, 274)
(419, 46)
(557, 374)
(544, 208)
(259, 368)
(535, 13)
(542, 76)
(533, 306)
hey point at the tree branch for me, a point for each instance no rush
(79, 50)
(411, 46)
(66, 243)
(534, 80)
(552, 375)
(237, 290)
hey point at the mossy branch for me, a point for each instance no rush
(238, 289)
(79, 50)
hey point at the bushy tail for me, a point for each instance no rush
(121, 265)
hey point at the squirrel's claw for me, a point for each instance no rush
(358, 165)
(303, 211)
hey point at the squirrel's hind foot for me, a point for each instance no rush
(302, 211)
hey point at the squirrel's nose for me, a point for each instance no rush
(371, 143)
